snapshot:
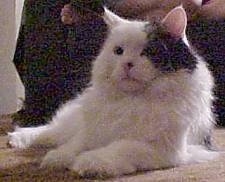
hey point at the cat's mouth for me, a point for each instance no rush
(131, 84)
(129, 78)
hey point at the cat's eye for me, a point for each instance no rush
(118, 50)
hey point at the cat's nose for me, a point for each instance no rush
(128, 65)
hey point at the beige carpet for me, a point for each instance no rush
(23, 166)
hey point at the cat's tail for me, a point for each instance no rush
(198, 153)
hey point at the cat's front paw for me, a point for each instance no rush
(19, 139)
(57, 159)
(88, 165)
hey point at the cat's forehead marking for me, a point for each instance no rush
(149, 28)
(155, 30)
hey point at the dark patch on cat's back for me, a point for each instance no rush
(167, 53)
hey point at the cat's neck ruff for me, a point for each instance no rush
(161, 89)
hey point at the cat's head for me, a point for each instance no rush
(135, 53)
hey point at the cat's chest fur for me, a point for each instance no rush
(128, 118)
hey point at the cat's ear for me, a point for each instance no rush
(175, 22)
(111, 19)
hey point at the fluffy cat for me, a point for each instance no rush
(149, 102)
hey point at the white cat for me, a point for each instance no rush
(149, 105)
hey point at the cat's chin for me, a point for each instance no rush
(129, 85)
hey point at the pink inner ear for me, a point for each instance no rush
(175, 22)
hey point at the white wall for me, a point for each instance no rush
(19, 85)
(10, 86)
(18, 11)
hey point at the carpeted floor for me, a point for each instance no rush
(23, 166)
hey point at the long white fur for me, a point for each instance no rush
(119, 126)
